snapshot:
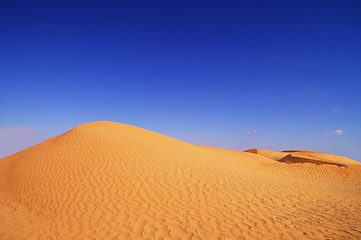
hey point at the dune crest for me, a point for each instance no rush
(106, 180)
(300, 156)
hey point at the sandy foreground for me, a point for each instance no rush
(106, 180)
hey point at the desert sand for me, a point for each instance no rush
(106, 180)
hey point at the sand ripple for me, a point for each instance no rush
(106, 180)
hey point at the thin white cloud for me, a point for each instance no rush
(16, 138)
(335, 133)
(252, 132)
(336, 110)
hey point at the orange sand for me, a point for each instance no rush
(107, 180)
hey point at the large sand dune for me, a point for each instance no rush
(107, 180)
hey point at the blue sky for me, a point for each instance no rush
(234, 74)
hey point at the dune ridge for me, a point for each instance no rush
(301, 156)
(106, 180)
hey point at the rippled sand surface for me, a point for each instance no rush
(106, 180)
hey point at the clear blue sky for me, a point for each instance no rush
(233, 74)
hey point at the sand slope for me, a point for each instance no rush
(298, 156)
(107, 180)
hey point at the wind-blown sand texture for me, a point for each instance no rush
(107, 180)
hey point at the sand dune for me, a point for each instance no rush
(299, 156)
(269, 154)
(107, 180)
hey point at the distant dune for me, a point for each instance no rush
(298, 156)
(106, 180)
